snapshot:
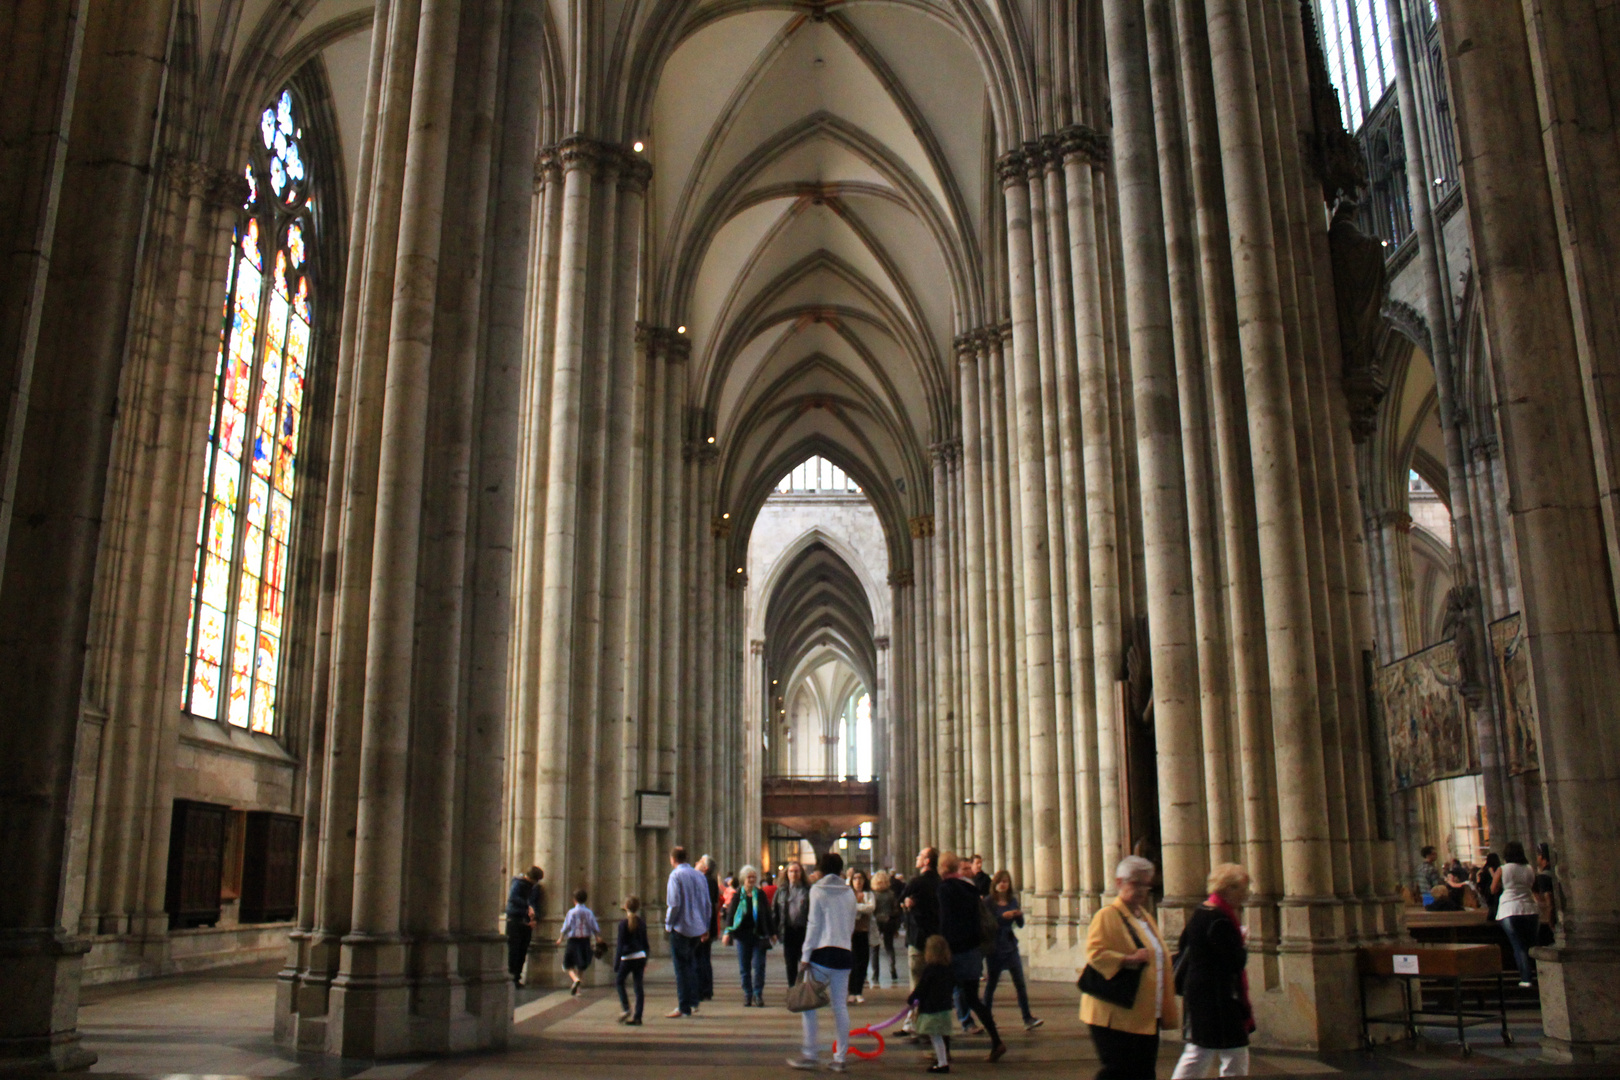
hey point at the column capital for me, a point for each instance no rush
(946, 450)
(1034, 159)
(1012, 168)
(967, 346)
(634, 172)
(1399, 520)
(547, 167)
(1485, 448)
(881, 644)
(737, 580)
(757, 646)
(720, 527)
(1082, 141)
(922, 526)
(901, 579)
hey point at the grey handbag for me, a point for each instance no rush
(808, 993)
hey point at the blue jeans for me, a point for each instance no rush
(837, 980)
(684, 951)
(1521, 934)
(1013, 965)
(631, 970)
(751, 965)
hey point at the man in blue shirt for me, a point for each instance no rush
(522, 908)
(687, 917)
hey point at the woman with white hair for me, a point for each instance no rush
(1124, 938)
(749, 922)
(1212, 977)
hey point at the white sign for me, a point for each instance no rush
(1405, 964)
(653, 809)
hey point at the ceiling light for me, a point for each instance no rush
(637, 146)
(711, 437)
(739, 569)
(680, 329)
(1385, 243)
(725, 517)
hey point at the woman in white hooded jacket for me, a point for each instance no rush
(828, 958)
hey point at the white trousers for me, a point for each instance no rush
(1196, 1060)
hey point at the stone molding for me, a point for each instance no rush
(881, 644)
(1485, 448)
(902, 579)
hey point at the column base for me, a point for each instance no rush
(390, 997)
(39, 981)
(1580, 998)
(1305, 993)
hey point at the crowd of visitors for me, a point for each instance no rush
(961, 925)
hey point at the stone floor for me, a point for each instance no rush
(218, 1024)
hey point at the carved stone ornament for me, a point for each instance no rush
(922, 526)
(901, 579)
(1360, 284)
(1462, 627)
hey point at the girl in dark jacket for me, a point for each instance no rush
(630, 957)
(1211, 975)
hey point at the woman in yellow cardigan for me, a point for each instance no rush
(1127, 1040)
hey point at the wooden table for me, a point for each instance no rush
(1447, 965)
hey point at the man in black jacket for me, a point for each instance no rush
(921, 904)
(959, 907)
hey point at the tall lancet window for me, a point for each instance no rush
(234, 643)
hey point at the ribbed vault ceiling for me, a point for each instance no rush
(820, 184)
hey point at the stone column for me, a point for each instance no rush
(1008, 602)
(1040, 706)
(1246, 620)
(1285, 584)
(1084, 152)
(85, 94)
(978, 715)
(1168, 570)
(1537, 223)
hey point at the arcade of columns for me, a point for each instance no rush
(1142, 531)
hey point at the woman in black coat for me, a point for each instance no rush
(1211, 977)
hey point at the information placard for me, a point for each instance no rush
(653, 809)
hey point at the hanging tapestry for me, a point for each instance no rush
(1518, 706)
(1431, 735)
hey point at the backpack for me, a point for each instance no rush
(988, 930)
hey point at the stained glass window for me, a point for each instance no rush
(239, 581)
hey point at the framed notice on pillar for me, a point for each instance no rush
(653, 809)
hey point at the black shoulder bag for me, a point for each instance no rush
(1121, 989)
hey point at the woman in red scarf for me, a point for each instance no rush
(1212, 978)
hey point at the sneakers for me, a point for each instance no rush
(837, 1065)
(634, 1021)
(972, 1029)
(1524, 982)
(860, 999)
(807, 1064)
(996, 1052)
(1032, 1023)
(675, 1014)
(938, 1068)
(624, 1017)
